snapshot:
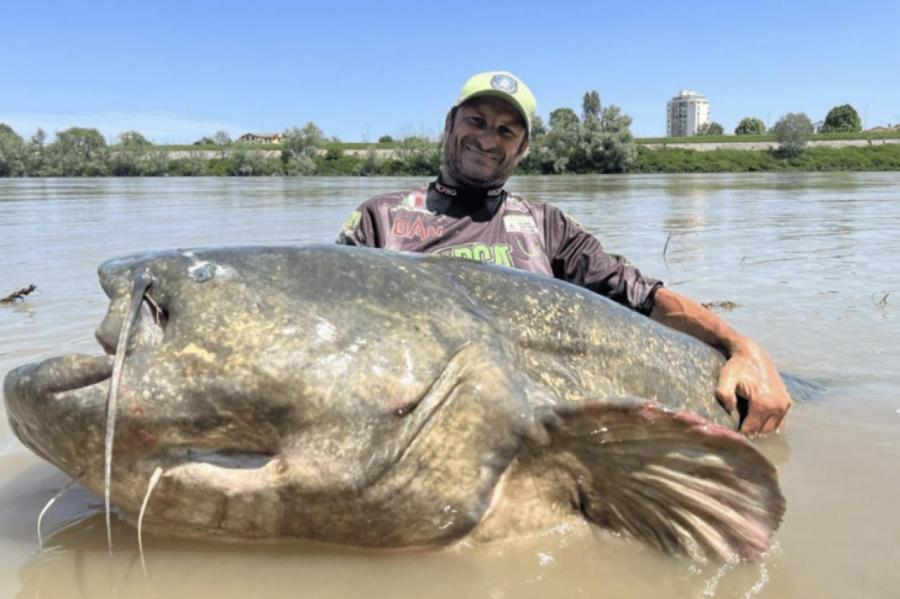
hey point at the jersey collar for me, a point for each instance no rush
(465, 195)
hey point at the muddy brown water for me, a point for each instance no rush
(810, 260)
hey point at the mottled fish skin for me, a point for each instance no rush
(378, 399)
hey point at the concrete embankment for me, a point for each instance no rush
(381, 154)
(384, 154)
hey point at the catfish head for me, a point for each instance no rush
(280, 397)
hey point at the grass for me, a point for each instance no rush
(695, 139)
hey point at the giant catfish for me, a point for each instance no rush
(377, 399)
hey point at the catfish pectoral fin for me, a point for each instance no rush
(671, 479)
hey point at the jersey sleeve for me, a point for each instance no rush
(361, 227)
(578, 257)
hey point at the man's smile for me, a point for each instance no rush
(479, 153)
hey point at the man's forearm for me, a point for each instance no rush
(683, 314)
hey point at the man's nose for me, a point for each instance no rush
(487, 139)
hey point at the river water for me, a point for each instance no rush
(810, 260)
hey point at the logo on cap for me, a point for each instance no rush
(504, 83)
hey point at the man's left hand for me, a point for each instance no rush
(750, 374)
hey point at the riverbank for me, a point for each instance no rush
(424, 159)
(881, 157)
(648, 159)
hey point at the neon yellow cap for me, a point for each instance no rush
(503, 85)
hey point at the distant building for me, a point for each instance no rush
(884, 129)
(261, 138)
(685, 113)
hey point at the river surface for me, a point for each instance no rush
(810, 260)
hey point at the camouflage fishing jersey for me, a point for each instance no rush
(500, 228)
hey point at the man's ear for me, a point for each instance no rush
(523, 151)
(448, 122)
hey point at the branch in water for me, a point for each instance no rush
(17, 295)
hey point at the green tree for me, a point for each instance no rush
(79, 140)
(6, 130)
(192, 166)
(333, 151)
(604, 143)
(385, 139)
(299, 147)
(563, 118)
(154, 163)
(131, 157)
(537, 127)
(370, 165)
(12, 152)
(616, 142)
(39, 138)
(711, 128)
(561, 142)
(133, 139)
(246, 162)
(35, 154)
(418, 155)
(77, 152)
(205, 141)
(842, 118)
(590, 105)
(750, 126)
(600, 143)
(221, 138)
(792, 131)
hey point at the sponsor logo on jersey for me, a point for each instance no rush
(416, 229)
(498, 253)
(352, 222)
(519, 223)
(414, 201)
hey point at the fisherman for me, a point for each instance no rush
(466, 212)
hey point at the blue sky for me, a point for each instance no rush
(178, 70)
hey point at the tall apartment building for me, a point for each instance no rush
(685, 113)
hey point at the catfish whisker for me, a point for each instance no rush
(47, 505)
(138, 290)
(154, 479)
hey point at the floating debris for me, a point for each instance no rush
(17, 295)
(724, 305)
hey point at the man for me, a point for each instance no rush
(466, 212)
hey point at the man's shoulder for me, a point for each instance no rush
(516, 202)
(395, 198)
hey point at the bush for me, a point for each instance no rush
(712, 128)
(750, 126)
(842, 118)
(792, 131)
(12, 152)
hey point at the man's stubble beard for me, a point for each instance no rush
(451, 167)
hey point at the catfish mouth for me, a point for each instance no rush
(76, 372)
(68, 373)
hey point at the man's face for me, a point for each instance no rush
(483, 142)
